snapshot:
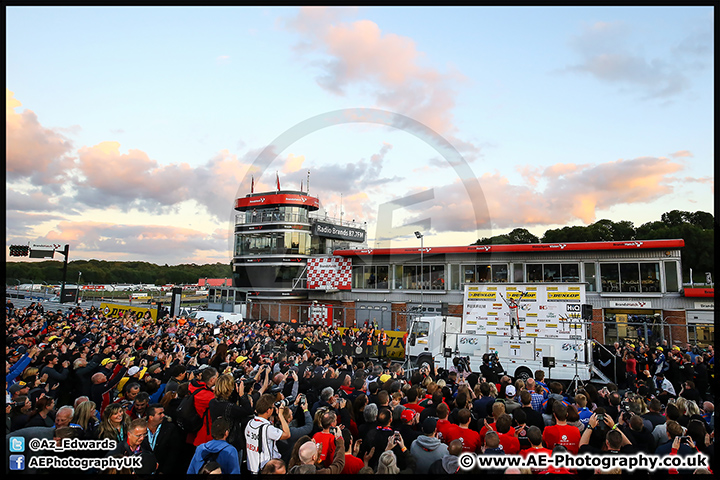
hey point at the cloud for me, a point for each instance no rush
(606, 54)
(110, 178)
(349, 178)
(681, 154)
(33, 152)
(128, 242)
(570, 192)
(388, 67)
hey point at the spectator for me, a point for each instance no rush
(449, 464)
(353, 464)
(427, 448)
(202, 392)
(164, 440)
(561, 433)
(261, 435)
(308, 455)
(217, 449)
(114, 423)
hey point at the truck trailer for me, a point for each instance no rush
(529, 326)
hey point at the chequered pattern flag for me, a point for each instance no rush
(329, 272)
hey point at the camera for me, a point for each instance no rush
(684, 439)
(333, 430)
(282, 403)
(396, 436)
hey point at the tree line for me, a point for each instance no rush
(697, 229)
(108, 272)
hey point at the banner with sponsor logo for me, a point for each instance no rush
(550, 310)
(395, 347)
(115, 310)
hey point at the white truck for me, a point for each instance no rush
(215, 317)
(552, 334)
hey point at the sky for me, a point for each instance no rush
(131, 131)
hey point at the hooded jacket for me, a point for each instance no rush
(228, 457)
(427, 450)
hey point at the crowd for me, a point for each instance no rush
(290, 398)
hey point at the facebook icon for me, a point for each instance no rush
(17, 462)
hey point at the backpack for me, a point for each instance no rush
(210, 457)
(187, 417)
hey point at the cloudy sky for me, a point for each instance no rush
(131, 131)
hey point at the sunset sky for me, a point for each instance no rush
(131, 131)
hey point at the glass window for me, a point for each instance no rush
(570, 272)
(421, 329)
(357, 277)
(398, 276)
(499, 273)
(484, 273)
(437, 277)
(629, 277)
(650, 277)
(671, 277)
(469, 274)
(382, 276)
(411, 277)
(534, 272)
(518, 272)
(551, 272)
(590, 277)
(610, 277)
(455, 277)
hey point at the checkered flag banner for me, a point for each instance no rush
(329, 273)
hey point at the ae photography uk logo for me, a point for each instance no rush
(470, 461)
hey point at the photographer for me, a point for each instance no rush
(261, 435)
(297, 428)
(491, 368)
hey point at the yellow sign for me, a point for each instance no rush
(563, 295)
(115, 310)
(525, 296)
(482, 295)
(395, 348)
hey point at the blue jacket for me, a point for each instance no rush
(228, 458)
(17, 369)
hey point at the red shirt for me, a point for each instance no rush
(415, 407)
(352, 465)
(446, 430)
(470, 439)
(509, 442)
(484, 430)
(566, 435)
(631, 366)
(327, 440)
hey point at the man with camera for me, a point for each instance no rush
(491, 368)
(261, 434)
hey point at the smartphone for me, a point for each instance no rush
(601, 417)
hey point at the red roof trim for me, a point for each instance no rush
(699, 292)
(525, 247)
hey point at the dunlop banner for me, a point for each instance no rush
(395, 348)
(115, 310)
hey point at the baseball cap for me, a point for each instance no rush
(384, 378)
(429, 425)
(106, 361)
(133, 370)
(510, 391)
(16, 387)
(407, 415)
(660, 348)
(241, 359)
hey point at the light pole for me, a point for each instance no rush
(422, 269)
(78, 287)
